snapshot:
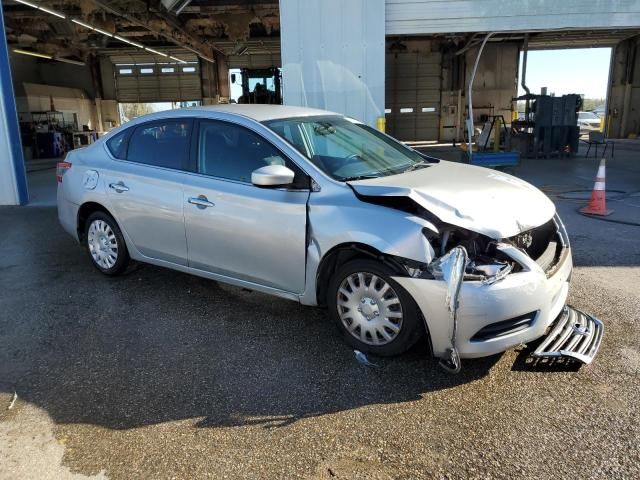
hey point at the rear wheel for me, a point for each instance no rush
(374, 313)
(105, 244)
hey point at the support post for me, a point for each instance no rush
(13, 179)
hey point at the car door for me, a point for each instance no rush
(237, 229)
(145, 188)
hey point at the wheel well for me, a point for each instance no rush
(341, 254)
(84, 211)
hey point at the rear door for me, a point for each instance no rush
(235, 228)
(145, 188)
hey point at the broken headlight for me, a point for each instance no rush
(485, 264)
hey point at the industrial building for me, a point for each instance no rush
(67, 65)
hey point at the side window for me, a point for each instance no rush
(117, 144)
(226, 150)
(161, 144)
(292, 134)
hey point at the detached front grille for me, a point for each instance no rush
(575, 335)
(505, 327)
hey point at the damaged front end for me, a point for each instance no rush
(503, 271)
(483, 263)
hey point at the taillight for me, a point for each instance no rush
(61, 169)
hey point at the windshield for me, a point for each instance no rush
(346, 150)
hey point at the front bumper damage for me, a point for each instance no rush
(478, 319)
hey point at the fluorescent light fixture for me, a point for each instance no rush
(59, 15)
(127, 41)
(85, 25)
(182, 7)
(32, 54)
(49, 57)
(28, 4)
(156, 52)
(82, 24)
(69, 60)
(44, 9)
(103, 32)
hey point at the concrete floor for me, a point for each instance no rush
(162, 375)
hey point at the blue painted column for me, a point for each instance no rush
(13, 179)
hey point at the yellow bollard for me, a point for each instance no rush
(381, 124)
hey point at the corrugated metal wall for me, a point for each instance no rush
(496, 81)
(623, 109)
(437, 16)
(333, 55)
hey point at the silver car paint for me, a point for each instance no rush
(270, 255)
(250, 232)
(483, 200)
(151, 210)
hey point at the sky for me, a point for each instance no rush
(584, 71)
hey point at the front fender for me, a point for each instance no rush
(343, 219)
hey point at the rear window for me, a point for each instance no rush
(161, 144)
(116, 145)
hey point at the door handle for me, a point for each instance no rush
(201, 202)
(119, 187)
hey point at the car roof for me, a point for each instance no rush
(263, 113)
(259, 113)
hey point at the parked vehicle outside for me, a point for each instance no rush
(600, 111)
(588, 122)
(314, 207)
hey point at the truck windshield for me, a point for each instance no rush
(346, 150)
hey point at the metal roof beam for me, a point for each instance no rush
(187, 41)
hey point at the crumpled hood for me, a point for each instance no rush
(479, 199)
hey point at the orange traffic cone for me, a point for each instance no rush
(598, 203)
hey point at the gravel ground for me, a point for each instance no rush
(161, 375)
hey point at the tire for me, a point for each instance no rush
(105, 244)
(383, 320)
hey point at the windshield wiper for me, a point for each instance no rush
(416, 165)
(358, 177)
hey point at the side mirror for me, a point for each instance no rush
(272, 176)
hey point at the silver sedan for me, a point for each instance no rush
(314, 207)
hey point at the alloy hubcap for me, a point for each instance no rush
(103, 244)
(369, 308)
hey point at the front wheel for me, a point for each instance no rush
(374, 313)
